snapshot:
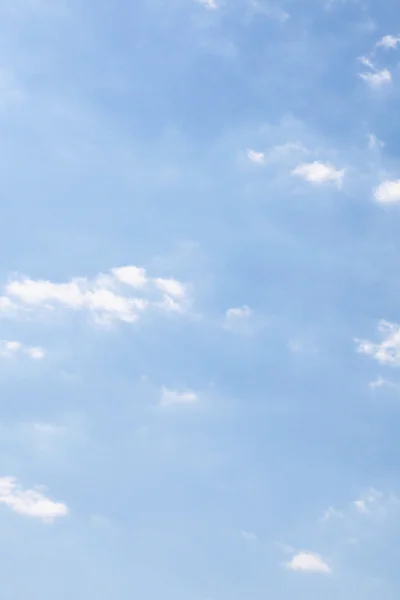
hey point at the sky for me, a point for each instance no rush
(199, 299)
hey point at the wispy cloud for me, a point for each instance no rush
(276, 154)
(10, 349)
(30, 503)
(388, 192)
(317, 172)
(374, 142)
(170, 398)
(309, 563)
(105, 297)
(239, 320)
(375, 504)
(331, 514)
(386, 352)
(378, 78)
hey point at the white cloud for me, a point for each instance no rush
(9, 349)
(105, 296)
(388, 351)
(30, 503)
(256, 157)
(174, 398)
(309, 562)
(388, 192)
(317, 172)
(389, 42)
(377, 79)
(209, 4)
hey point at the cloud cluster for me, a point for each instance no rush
(10, 349)
(107, 297)
(30, 503)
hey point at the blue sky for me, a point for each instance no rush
(199, 299)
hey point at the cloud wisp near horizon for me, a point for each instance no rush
(198, 299)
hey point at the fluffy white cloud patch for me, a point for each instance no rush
(107, 297)
(10, 349)
(318, 172)
(309, 562)
(389, 42)
(30, 503)
(377, 79)
(388, 192)
(171, 398)
(387, 352)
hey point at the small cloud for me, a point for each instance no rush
(171, 398)
(374, 142)
(331, 514)
(10, 349)
(249, 536)
(131, 275)
(239, 320)
(368, 501)
(317, 172)
(309, 562)
(255, 157)
(388, 192)
(244, 312)
(377, 79)
(389, 42)
(30, 503)
(388, 351)
(209, 4)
